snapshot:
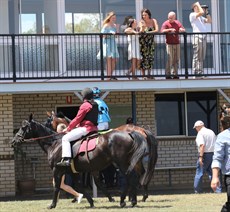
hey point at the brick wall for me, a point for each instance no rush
(23, 105)
(7, 173)
(145, 109)
(172, 151)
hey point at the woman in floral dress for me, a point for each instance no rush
(148, 26)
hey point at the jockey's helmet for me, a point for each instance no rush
(87, 94)
(96, 92)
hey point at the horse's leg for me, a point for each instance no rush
(133, 182)
(78, 184)
(124, 190)
(57, 183)
(98, 183)
(145, 193)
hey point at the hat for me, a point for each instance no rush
(204, 6)
(87, 93)
(96, 92)
(198, 124)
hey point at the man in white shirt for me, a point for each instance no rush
(205, 141)
(198, 23)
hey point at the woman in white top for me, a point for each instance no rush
(133, 47)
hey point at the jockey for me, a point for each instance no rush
(103, 116)
(84, 122)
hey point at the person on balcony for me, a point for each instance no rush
(110, 50)
(133, 47)
(198, 23)
(125, 24)
(148, 26)
(172, 27)
(84, 123)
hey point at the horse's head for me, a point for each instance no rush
(25, 132)
(54, 120)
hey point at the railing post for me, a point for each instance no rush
(185, 55)
(101, 57)
(13, 58)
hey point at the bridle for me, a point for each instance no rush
(38, 138)
(42, 137)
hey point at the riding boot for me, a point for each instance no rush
(64, 162)
(226, 207)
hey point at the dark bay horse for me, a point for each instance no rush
(152, 156)
(123, 149)
(55, 120)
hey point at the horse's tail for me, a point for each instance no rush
(151, 159)
(138, 150)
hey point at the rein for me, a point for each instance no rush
(43, 137)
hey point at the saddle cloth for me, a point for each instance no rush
(84, 146)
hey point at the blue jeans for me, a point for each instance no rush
(201, 170)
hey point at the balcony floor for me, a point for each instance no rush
(159, 84)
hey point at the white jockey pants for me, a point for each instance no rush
(71, 136)
(103, 126)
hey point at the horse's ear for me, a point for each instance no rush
(24, 123)
(48, 113)
(31, 117)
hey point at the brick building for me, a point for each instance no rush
(169, 107)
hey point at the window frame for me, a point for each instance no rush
(208, 102)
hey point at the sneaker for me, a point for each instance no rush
(79, 198)
(64, 162)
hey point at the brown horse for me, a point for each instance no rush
(147, 133)
(152, 152)
(125, 150)
(57, 121)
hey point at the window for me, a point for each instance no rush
(28, 25)
(172, 112)
(170, 116)
(119, 114)
(68, 111)
(82, 22)
(202, 106)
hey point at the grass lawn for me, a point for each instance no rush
(207, 202)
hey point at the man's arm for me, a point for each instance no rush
(201, 148)
(199, 12)
(215, 178)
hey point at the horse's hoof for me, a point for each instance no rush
(91, 205)
(51, 206)
(133, 204)
(112, 200)
(122, 204)
(74, 200)
(144, 198)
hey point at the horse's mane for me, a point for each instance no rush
(56, 138)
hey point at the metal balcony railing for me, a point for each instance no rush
(75, 56)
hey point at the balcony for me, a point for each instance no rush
(69, 58)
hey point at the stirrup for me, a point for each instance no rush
(64, 162)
